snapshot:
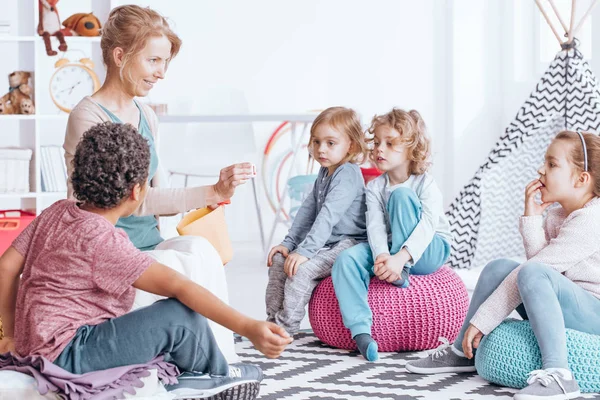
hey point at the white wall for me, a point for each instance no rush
(466, 65)
(294, 57)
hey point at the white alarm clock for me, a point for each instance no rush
(71, 82)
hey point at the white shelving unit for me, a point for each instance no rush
(24, 50)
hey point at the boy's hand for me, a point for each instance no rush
(380, 261)
(386, 270)
(531, 206)
(277, 249)
(268, 338)
(7, 344)
(390, 268)
(292, 262)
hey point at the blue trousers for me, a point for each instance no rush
(166, 327)
(551, 302)
(353, 269)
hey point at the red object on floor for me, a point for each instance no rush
(12, 223)
(370, 173)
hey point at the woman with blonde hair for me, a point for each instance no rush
(137, 47)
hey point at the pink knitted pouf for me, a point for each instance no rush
(403, 319)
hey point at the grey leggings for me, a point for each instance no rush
(551, 302)
(287, 297)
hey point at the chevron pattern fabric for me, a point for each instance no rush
(484, 217)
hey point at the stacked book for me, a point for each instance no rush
(14, 169)
(54, 170)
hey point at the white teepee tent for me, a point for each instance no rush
(484, 217)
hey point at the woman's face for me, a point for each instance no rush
(148, 66)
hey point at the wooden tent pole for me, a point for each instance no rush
(573, 6)
(548, 21)
(562, 22)
(587, 14)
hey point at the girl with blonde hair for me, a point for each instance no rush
(331, 218)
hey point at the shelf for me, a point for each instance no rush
(28, 195)
(17, 117)
(78, 39)
(20, 117)
(32, 195)
(52, 194)
(18, 38)
(68, 39)
(24, 49)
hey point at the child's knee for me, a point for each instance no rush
(348, 263)
(346, 259)
(175, 313)
(530, 275)
(278, 260)
(499, 269)
(404, 195)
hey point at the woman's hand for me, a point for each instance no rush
(531, 206)
(471, 340)
(230, 178)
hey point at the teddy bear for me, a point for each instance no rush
(6, 107)
(18, 99)
(82, 24)
(27, 106)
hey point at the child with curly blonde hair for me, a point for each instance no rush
(330, 220)
(407, 230)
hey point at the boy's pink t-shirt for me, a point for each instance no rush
(79, 270)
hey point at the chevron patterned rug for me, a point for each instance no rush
(311, 370)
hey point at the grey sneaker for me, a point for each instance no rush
(441, 360)
(548, 385)
(242, 383)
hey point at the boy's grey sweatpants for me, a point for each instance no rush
(166, 327)
(287, 297)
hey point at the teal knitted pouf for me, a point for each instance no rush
(508, 354)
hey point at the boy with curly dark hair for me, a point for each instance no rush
(79, 275)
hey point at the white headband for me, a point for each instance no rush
(585, 158)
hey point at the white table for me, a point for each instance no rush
(296, 141)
